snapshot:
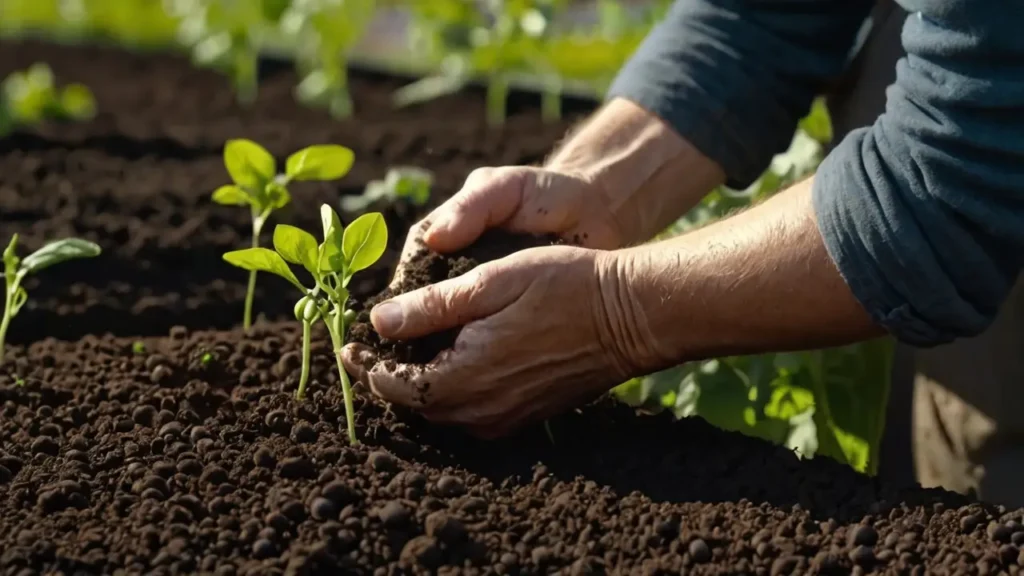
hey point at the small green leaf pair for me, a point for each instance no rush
(332, 264)
(31, 96)
(401, 182)
(257, 184)
(16, 269)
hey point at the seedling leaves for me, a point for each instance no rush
(320, 162)
(263, 260)
(296, 246)
(77, 101)
(59, 251)
(249, 164)
(365, 240)
(231, 195)
(331, 258)
(277, 196)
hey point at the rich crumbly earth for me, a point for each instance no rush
(141, 432)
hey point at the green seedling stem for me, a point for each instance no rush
(257, 184)
(332, 264)
(16, 269)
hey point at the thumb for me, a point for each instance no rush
(489, 197)
(449, 304)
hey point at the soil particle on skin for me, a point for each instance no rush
(611, 497)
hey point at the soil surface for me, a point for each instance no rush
(137, 180)
(142, 433)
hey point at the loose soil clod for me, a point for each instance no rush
(183, 451)
(428, 267)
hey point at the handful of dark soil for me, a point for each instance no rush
(429, 267)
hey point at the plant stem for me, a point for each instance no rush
(341, 100)
(551, 101)
(250, 293)
(8, 312)
(497, 100)
(336, 327)
(304, 377)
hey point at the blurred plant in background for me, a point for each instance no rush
(829, 402)
(31, 96)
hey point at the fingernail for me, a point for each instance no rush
(387, 317)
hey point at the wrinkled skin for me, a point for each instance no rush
(535, 336)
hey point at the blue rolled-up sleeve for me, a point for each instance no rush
(923, 212)
(734, 77)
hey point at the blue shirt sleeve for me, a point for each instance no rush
(734, 77)
(923, 212)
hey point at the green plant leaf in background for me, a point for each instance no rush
(320, 162)
(249, 164)
(59, 251)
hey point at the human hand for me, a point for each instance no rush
(520, 199)
(539, 337)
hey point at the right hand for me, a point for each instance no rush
(520, 199)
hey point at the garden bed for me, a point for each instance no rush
(142, 432)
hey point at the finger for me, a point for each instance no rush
(489, 197)
(358, 360)
(451, 303)
(411, 385)
(550, 203)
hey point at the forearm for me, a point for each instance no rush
(648, 174)
(759, 281)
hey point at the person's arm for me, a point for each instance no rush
(759, 281)
(734, 77)
(914, 226)
(646, 174)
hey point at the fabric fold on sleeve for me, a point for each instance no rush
(923, 212)
(734, 77)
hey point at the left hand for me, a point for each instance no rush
(536, 340)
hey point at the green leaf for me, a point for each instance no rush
(277, 196)
(296, 246)
(59, 251)
(231, 195)
(10, 258)
(330, 221)
(331, 257)
(365, 241)
(263, 260)
(78, 102)
(20, 297)
(320, 162)
(249, 164)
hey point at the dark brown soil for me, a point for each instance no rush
(137, 180)
(428, 267)
(162, 462)
(172, 445)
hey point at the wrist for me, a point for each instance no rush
(642, 170)
(625, 331)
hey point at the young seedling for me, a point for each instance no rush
(324, 33)
(332, 264)
(258, 185)
(16, 269)
(31, 96)
(401, 182)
